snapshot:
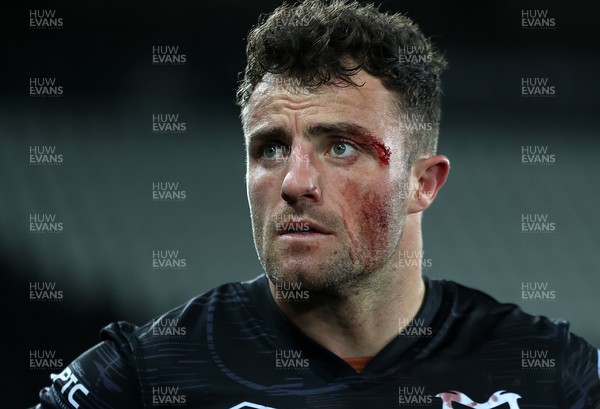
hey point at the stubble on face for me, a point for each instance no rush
(364, 213)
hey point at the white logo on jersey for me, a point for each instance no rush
(70, 380)
(497, 399)
(245, 405)
(599, 363)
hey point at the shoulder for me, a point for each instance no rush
(114, 373)
(504, 336)
(479, 311)
(188, 320)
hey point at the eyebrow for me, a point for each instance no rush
(266, 133)
(347, 128)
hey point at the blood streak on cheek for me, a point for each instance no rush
(383, 151)
(375, 223)
(375, 211)
(372, 218)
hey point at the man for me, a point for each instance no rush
(337, 182)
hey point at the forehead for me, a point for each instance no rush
(277, 98)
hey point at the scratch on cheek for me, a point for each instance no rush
(382, 150)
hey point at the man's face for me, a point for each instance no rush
(326, 181)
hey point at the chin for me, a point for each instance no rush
(326, 279)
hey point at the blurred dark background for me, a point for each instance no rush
(102, 192)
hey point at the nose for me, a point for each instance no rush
(301, 183)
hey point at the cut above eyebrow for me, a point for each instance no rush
(347, 128)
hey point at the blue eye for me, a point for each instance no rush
(273, 151)
(342, 149)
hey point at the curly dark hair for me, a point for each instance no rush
(315, 42)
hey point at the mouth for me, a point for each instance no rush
(300, 227)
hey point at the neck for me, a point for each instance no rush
(363, 319)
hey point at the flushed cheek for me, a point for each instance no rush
(375, 232)
(367, 220)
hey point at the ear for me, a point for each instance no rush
(428, 175)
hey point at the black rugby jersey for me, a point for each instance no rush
(232, 348)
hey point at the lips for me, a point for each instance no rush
(300, 226)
